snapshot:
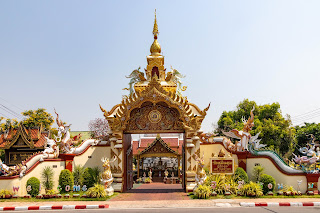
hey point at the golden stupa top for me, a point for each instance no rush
(155, 48)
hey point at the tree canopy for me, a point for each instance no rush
(305, 130)
(38, 117)
(276, 130)
(7, 123)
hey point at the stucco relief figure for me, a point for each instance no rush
(135, 76)
(310, 155)
(200, 174)
(5, 170)
(51, 148)
(65, 141)
(107, 178)
(244, 136)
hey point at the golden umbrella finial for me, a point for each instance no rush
(155, 48)
(155, 26)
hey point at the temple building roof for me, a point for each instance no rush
(23, 137)
(171, 144)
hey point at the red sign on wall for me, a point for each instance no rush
(221, 166)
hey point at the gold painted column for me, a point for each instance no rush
(178, 165)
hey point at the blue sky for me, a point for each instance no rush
(74, 55)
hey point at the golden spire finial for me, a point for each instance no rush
(155, 26)
(155, 48)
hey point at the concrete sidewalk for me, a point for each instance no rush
(162, 203)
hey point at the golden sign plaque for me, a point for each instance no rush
(154, 116)
(221, 165)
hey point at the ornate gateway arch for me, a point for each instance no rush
(155, 105)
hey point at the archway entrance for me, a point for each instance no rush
(155, 105)
(153, 111)
(156, 159)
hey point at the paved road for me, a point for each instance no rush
(193, 210)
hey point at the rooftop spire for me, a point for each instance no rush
(155, 26)
(155, 48)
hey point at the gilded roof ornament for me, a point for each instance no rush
(155, 48)
(155, 26)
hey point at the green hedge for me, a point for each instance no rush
(35, 186)
(266, 179)
(65, 178)
(91, 176)
(240, 174)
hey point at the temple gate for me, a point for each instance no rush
(155, 105)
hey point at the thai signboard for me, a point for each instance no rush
(221, 165)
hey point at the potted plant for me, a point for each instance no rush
(148, 180)
(4, 193)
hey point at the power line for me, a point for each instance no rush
(305, 113)
(12, 104)
(17, 114)
(307, 117)
(8, 111)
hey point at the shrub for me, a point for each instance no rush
(289, 190)
(65, 178)
(202, 192)
(96, 191)
(240, 175)
(224, 183)
(87, 178)
(78, 175)
(251, 189)
(47, 178)
(4, 192)
(266, 180)
(257, 172)
(51, 192)
(91, 176)
(148, 180)
(34, 183)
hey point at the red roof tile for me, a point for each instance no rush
(174, 143)
(38, 141)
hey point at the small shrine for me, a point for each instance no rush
(159, 157)
(22, 143)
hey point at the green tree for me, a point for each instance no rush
(65, 179)
(305, 130)
(33, 186)
(38, 117)
(78, 174)
(276, 130)
(7, 123)
(47, 178)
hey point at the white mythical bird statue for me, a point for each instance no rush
(175, 76)
(135, 77)
(244, 136)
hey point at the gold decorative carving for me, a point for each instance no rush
(154, 116)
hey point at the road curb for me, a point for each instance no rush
(271, 204)
(32, 208)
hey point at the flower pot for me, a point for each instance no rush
(84, 196)
(310, 193)
(66, 196)
(58, 196)
(75, 195)
(8, 196)
(15, 196)
(46, 196)
(270, 193)
(227, 193)
(27, 196)
(39, 196)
